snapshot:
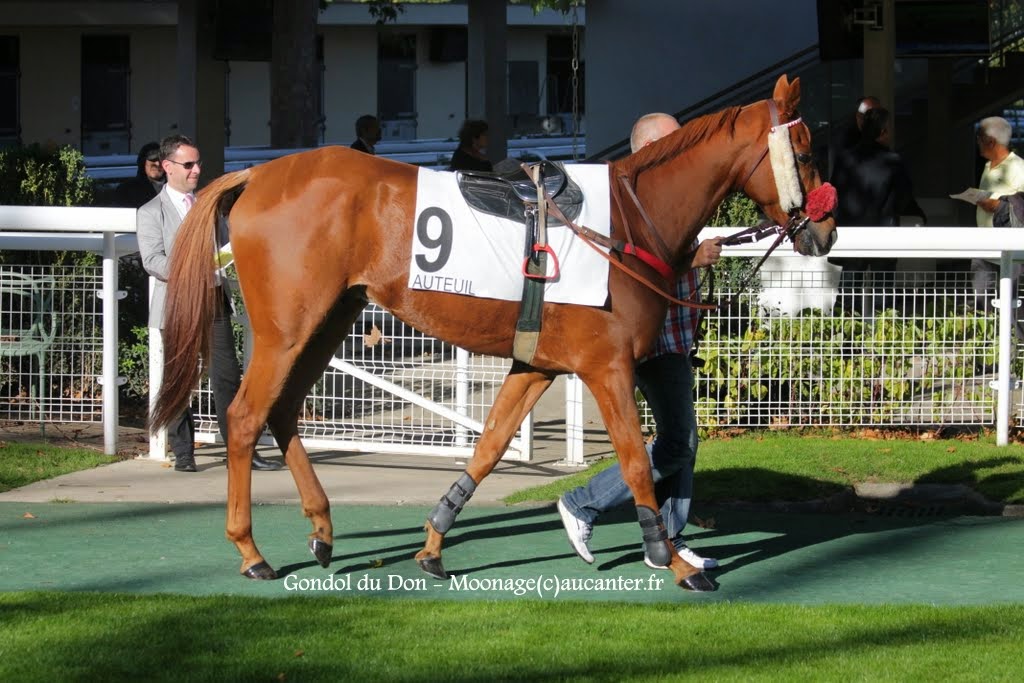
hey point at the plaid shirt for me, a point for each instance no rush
(680, 322)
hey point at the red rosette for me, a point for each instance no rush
(821, 201)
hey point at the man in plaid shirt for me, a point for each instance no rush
(665, 377)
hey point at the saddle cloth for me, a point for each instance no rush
(459, 249)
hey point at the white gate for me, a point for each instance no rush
(391, 389)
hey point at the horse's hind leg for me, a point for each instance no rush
(246, 416)
(283, 422)
(272, 390)
(520, 391)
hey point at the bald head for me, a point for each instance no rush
(865, 105)
(649, 128)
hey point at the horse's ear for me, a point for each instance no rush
(787, 95)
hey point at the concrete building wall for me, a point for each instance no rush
(249, 103)
(664, 56)
(350, 79)
(154, 96)
(440, 93)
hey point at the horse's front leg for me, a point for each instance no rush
(518, 394)
(612, 388)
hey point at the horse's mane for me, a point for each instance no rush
(674, 144)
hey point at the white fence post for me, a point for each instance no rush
(573, 422)
(111, 385)
(157, 439)
(1007, 304)
(461, 393)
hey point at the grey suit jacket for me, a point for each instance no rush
(157, 222)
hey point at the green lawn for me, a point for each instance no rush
(23, 463)
(69, 636)
(786, 466)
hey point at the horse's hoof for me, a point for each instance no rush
(697, 583)
(321, 551)
(434, 567)
(261, 571)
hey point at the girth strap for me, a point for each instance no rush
(531, 310)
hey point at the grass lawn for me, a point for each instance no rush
(23, 463)
(155, 638)
(767, 466)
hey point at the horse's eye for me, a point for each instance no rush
(804, 158)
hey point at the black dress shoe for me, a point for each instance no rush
(185, 463)
(263, 465)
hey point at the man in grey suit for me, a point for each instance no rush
(157, 223)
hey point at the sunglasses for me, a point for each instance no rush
(187, 165)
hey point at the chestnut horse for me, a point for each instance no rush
(318, 234)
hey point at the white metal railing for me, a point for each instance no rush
(103, 230)
(1000, 245)
(109, 231)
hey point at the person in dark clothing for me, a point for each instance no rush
(874, 189)
(148, 181)
(471, 154)
(367, 134)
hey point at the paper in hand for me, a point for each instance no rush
(972, 195)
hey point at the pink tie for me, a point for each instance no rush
(189, 201)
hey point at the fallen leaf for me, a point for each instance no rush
(28, 515)
(708, 523)
(373, 338)
(951, 449)
(299, 653)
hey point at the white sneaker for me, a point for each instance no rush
(689, 557)
(578, 532)
(696, 560)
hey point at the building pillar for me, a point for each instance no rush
(940, 92)
(201, 85)
(486, 79)
(879, 61)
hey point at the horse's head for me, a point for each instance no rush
(788, 188)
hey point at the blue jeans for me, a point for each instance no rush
(667, 384)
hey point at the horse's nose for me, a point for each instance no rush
(818, 238)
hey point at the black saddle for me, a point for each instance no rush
(507, 195)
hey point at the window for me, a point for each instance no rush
(10, 105)
(105, 103)
(396, 85)
(559, 76)
(523, 88)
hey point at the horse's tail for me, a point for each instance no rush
(191, 297)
